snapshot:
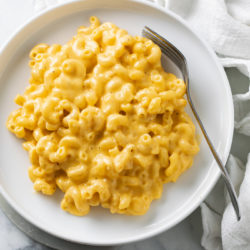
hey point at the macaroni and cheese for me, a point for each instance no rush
(103, 122)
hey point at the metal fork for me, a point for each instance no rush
(180, 61)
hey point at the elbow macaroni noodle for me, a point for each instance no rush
(103, 121)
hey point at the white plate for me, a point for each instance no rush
(210, 91)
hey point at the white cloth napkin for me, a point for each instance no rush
(225, 24)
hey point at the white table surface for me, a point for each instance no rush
(185, 236)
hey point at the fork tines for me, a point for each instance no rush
(167, 47)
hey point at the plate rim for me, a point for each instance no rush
(4, 49)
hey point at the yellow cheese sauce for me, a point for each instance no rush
(103, 121)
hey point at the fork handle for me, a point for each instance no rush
(225, 174)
